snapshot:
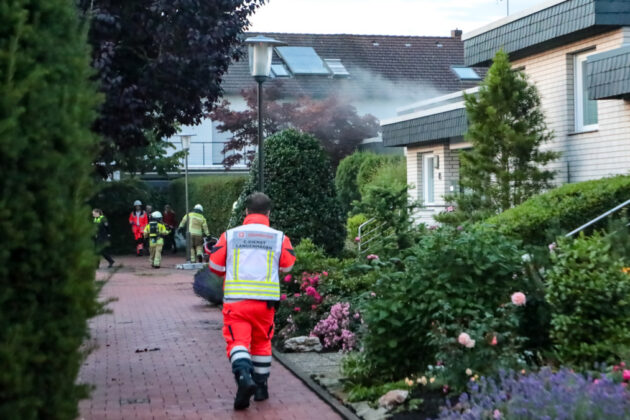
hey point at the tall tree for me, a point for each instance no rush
(333, 121)
(159, 64)
(47, 106)
(506, 130)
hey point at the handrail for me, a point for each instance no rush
(597, 219)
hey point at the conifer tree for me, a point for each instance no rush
(46, 251)
(506, 164)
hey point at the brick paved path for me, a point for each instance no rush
(189, 376)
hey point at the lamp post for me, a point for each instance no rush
(185, 138)
(260, 51)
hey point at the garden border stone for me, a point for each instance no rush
(334, 403)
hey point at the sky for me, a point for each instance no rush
(381, 17)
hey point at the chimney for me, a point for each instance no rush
(456, 33)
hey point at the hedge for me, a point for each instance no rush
(299, 181)
(47, 259)
(541, 218)
(116, 200)
(216, 193)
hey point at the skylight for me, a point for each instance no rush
(466, 73)
(279, 70)
(303, 60)
(336, 67)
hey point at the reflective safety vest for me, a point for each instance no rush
(252, 263)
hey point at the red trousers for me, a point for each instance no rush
(248, 324)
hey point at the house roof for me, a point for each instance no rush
(548, 25)
(379, 66)
(429, 121)
(608, 74)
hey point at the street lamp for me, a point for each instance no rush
(185, 138)
(260, 50)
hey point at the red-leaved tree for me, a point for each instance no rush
(333, 121)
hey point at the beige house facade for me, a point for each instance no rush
(577, 53)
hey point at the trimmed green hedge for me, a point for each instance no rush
(541, 218)
(116, 200)
(299, 181)
(47, 259)
(216, 193)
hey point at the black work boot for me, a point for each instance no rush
(261, 393)
(246, 388)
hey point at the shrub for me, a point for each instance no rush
(216, 193)
(298, 179)
(541, 218)
(47, 260)
(450, 277)
(590, 299)
(352, 226)
(346, 180)
(116, 200)
(370, 166)
(563, 395)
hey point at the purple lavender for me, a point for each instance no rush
(562, 395)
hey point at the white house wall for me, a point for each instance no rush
(588, 155)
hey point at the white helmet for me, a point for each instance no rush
(137, 203)
(198, 207)
(156, 215)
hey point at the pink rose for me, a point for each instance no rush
(288, 278)
(450, 209)
(357, 239)
(496, 414)
(325, 273)
(519, 299)
(596, 381)
(372, 257)
(297, 309)
(297, 295)
(373, 294)
(494, 341)
(470, 344)
(313, 307)
(626, 375)
(283, 296)
(463, 339)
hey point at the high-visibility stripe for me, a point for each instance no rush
(236, 252)
(256, 289)
(217, 266)
(262, 359)
(242, 293)
(241, 281)
(285, 269)
(251, 285)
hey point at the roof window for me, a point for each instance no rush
(279, 70)
(303, 60)
(465, 73)
(336, 67)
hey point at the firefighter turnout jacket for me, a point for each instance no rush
(156, 231)
(251, 257)
(198, 224)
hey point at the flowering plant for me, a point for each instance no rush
(335, 331)
(562, 395)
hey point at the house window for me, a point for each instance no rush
(585, 108)
(428, 180)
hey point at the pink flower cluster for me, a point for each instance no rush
(334, 330)
(465, 340)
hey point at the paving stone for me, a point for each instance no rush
(189, 376)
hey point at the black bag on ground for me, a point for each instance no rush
(208, 286)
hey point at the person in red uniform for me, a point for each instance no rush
(251, 257)
(171, 223)
(138, 220)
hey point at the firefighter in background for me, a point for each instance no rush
(138, 220)
(250, 257)
(198, 229)
(102, 236)
(155, 232)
